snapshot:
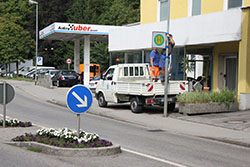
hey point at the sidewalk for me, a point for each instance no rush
(231, 127)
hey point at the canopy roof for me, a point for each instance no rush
(71, 31)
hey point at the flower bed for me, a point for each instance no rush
(65, 138)
(15, 123)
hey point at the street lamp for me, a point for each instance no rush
(36, 3)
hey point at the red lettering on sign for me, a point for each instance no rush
(80, 28)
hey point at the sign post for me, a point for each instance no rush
(68, 61)
(79, 100)
(165, 114)
(4, 103)
(5, 97)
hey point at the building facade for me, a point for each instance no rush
(217, 30)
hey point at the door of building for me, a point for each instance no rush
(230, 72)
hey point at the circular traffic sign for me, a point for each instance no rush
(68, 61)
(79, 99)
(10, 93)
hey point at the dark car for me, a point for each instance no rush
(65, 78)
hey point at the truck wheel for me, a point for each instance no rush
(135, 107)
(101, 100)
(171, 106)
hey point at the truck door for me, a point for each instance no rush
(107, 85)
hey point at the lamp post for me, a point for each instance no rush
(36, 3)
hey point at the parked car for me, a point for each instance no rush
(40, 70)
(94, 82)
(51, 73)
(65, 78)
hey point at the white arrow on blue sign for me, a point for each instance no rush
(79, 99)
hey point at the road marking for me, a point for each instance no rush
(154, 158)
(83, 103)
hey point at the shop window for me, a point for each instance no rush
(177, 57)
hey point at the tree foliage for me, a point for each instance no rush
(103, 12)
(17, 41)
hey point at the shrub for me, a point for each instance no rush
(194, 97)
(224, 96)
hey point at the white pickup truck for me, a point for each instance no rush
(131, 83)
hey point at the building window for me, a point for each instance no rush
(196, 7)
(234, 3)
(164, 10)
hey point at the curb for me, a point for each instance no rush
(99, 151)
(229, 141)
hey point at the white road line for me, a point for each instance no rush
(154, 158)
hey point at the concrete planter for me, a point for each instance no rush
(189, 109)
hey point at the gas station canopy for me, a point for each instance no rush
(71, 31)
(76, 33)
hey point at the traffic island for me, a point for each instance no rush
(53, 150)
(66, 142)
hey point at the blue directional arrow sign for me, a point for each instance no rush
(79, 99)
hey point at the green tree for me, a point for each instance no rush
(103, 12)
(15, 42)
(121, 12)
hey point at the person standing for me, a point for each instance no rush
(171, 44)
(154, 65)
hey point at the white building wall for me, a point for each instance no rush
(216, 27)
(134, 38)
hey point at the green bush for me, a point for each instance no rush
(224, 96)
(194, 97)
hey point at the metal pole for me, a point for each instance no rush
(68, 66)
(165, 114)
(78, 125)
(4, 103)
(36, 40)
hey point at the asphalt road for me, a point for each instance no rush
(142, 146)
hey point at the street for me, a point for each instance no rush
(142, 146)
